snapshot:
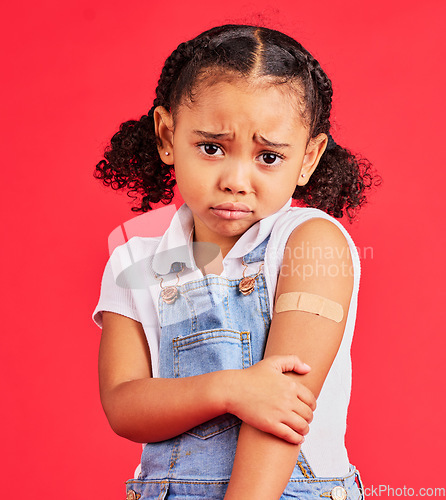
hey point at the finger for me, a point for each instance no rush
(303, 410)
(306, 396)
(291, 363)
(285, 432)
(297, 423)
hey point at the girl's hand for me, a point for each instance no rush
(265, 398)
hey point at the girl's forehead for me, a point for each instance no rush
(239, 103)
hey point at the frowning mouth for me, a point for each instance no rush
(231, 211)
(239, 207)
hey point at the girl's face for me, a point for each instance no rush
(237, 144)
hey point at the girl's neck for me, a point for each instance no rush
(202, 259)
(225, 244)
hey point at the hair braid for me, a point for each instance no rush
(172, 68)
(316, 84)
(167, 93)
(325, 95)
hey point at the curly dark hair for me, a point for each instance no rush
(132, 161)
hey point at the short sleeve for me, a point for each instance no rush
(113, 297)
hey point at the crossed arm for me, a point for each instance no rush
(263, 462)
(277, 408)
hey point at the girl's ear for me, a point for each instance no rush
(164, 133)
(313, 153)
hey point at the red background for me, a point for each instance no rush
(73, 71)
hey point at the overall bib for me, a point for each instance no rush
(212, 326)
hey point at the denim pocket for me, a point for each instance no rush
(215, 426)
(209, 351)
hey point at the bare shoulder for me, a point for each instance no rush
(318, 231)
(317, 255)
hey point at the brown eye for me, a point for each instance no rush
(270, 159)
(210, 149)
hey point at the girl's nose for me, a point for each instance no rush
(235, 177)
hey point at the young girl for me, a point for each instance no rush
(215, 359)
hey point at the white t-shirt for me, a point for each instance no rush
(128, 288)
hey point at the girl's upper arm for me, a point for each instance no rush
(316, 260)
(123, 353)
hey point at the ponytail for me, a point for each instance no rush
(132, 161)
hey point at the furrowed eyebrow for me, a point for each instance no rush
(210, 135)
(227, 135)
(265, 142)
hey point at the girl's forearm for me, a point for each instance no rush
(154, 409)
(262, 467)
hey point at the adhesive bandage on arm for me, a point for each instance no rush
(309, 302)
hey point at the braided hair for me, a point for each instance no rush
(132, 160)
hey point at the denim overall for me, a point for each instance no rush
(212, 326)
